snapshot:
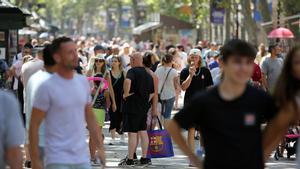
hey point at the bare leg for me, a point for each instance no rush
(92, 149)
(132, 144)
(191, 138)
(27, 155)
(144, 143)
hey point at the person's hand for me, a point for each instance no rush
(126, 95)
(36, 164)
(101, 155)
(114, 107)
(93, 91)
(192, 70)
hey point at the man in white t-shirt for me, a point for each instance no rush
(32, 66)
(64, 101)
(33, 83)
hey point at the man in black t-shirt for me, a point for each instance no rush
(229, 115)
(138, 90)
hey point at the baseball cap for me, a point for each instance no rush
(196, 52)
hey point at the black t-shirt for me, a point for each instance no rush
(231, 130)
(200, 81)
(141, 82)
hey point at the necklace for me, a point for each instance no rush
(199, 71)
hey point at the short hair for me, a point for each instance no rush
(48, 56)
(147, 59)
(28, 46)
(56, 44)
(237, 47)
(167, 58)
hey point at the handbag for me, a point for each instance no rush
(160, 143)
(162, 87)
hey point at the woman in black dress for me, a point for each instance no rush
(117, 77)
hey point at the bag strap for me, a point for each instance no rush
(97, 93)
(117, 78)
(162, 88)
(160, 125)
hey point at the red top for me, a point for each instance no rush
(257, 73)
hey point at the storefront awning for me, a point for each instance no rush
(11, 17)
(145, 27)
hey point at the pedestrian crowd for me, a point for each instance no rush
(238, 102)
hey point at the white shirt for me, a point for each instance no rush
(33, 84)
(18, 66)
(169, 88)
(30, 68)
(64, 101)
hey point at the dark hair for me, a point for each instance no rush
(180, 47)
(48, 55)
(28, 46)
(56, 44)
(287, 86)
(147, 61)
(169, 47)
(237, 47)
(167, 58)
(199, 47)
(271, 47)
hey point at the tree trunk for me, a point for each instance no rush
(249, 22)
(135, 12)
(227, 21)
(119, 13)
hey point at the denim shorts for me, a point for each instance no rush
(68, 166)
(167, 106)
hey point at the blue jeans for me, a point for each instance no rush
(68, 166)
(167, 106)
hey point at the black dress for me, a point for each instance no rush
(116, 117)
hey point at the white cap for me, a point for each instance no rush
(126, 45)
(196, 52)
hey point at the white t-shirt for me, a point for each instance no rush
(169, 88)
(126, 60)
(33, 84)
(18, 66)
(30, 68)
(64, 101)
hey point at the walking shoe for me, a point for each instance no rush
(95, 162)
(145, 161)
(27, 164)
(127, 163)
(135, 160)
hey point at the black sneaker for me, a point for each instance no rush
(27, 164)
(145, 161)
(126, 163)
(135, 159)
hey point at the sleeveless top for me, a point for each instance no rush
(117, 83)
